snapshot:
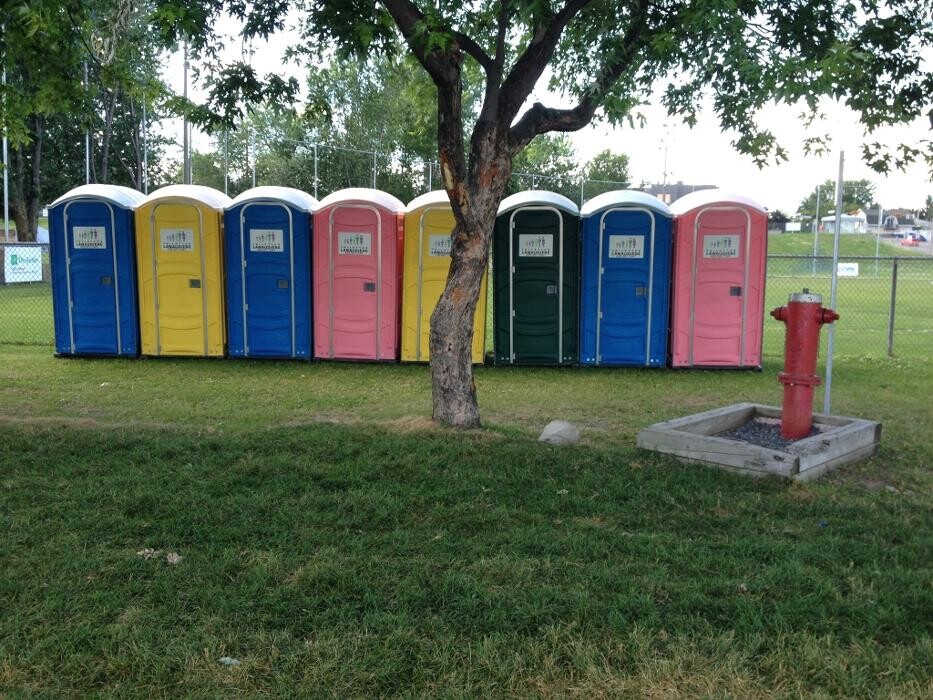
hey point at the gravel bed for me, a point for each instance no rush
(764, 432)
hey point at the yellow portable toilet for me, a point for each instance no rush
(179, 244)
(429, 222)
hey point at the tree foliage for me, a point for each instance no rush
(606, 171)
(48, 105)
(856, 194)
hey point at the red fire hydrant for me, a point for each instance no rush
(803, 315)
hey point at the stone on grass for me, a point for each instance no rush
(560, 432)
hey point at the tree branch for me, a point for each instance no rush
(407, 16)
(540, 119)
(529, 66)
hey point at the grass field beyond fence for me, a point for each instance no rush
(335, 543)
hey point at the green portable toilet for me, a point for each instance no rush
(536, 277)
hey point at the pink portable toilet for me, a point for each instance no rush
(720, 244)
(357, 275)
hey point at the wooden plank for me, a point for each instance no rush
(693, 439)
(819, 470)
(850, 439)
(709, 422)
(706, 448)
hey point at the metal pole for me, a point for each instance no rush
(226, 168)
(582, 182)
(877, 240)
(315, 171)
(430, 176)
(145, 177)
(186, 161)
(816, 231)
(374, 170)
(6, 160)
(87, 137)
(891, 313)
(252, 148)
(831, 341)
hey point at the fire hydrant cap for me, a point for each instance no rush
(806, 297)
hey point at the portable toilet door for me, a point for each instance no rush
(179, 250)
(356, 258)
(267, 240)
(625, 279)
(429, 222)
(94, 271)
(536, 278)
(720, 248)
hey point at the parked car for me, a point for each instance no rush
(913, 239)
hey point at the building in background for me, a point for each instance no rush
(672, 191)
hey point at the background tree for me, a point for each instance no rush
(548, 163)
(604, 56)
(856, 194)
(47, 108)
(604, 172)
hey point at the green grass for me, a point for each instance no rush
(26, 314)
(850, 244)
(338, 544)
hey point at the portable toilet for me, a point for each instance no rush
(356, 257)
(267, 244)
(536, 279)
(429, 222)
(625, 279)
(720, 245)
(179, 251)
(92, 255)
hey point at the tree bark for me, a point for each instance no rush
(25, 164)
(451, 339)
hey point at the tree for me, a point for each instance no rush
(47, 108)
(604, 172)
(604, 56)
(856, 194)
(548, 163)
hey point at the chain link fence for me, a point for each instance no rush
(885, 303)
(25, 294)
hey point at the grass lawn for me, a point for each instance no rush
(862, 244)
(337, 544)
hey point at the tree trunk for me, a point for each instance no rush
(454, 392)
(25, 162)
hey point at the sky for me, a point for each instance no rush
(702, 155)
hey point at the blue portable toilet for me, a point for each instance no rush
(267, 239)
(93, 263)
(626, 272)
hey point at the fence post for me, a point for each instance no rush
(891, 314)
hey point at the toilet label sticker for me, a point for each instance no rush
(721, 246)
(266, 240)
(353, 243)
(535, 245)
(439, 246)
(626, 247)
(176, 239)
(89, 237)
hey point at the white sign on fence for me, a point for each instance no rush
(22, 264)
(847, 269)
